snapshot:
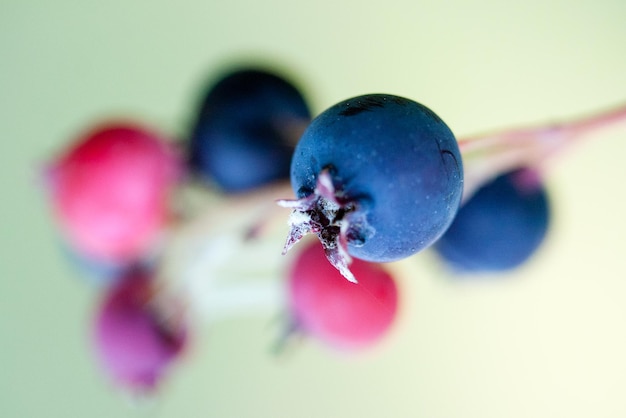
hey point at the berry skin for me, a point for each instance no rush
(341, 314)
(244, 134)
(133, 345)
(499, 227)
(110, 191)
(378, 177)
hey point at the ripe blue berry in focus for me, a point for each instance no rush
(246, 130)
(377, 177)
(499, 227)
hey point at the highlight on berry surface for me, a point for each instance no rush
(110, 190)
(334, 311)
(377, 177)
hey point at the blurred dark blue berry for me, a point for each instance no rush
(499, 227)
(246, 130)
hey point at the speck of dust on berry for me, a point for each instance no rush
(384, 207)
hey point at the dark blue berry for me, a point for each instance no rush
(499, 227)
(246, 130)
(378, 177)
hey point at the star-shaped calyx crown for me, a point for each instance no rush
(323, 213)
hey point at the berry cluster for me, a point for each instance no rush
(376, 178)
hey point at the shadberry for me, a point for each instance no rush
(499, 227)
(342, 314)
(133, 344)
(377, 177)
(243, 137)
(110, 191)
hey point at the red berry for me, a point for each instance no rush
(110, 190)
(340, 313)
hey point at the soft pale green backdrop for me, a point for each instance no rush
(549, 341)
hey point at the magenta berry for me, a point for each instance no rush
(342, 314)
(110, 190)
(134, 345)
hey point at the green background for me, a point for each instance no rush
(547, 341)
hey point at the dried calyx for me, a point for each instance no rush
(323, 214)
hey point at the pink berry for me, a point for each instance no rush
(133, 344)
(340, 313)
(110, 190)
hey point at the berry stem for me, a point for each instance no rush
(211, 253)
(211, 288)
(487, 156)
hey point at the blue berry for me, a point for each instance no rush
(499, 227)
(244, 134)
(378, 177)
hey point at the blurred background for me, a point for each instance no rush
(546, 340)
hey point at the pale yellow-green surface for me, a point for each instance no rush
(548, 341)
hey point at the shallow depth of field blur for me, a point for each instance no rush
(545, 341)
